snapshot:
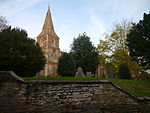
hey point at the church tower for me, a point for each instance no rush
(49, 43)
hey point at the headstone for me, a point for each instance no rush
(101, 72)
(79, 72)
(110, 72)
(88, 74)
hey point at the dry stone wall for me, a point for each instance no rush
(94, 96)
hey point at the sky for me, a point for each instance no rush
(72, 17)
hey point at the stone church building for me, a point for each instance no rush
(49, 43)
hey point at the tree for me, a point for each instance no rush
(113, 50)
(121, 56)
(3, 23)
(20, 53)
(85, 54)
(66, 65)
(104, 49)
(124, 72)
(119, 34)
(138, 42)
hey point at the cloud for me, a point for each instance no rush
(67, 25)
(66, 31)
(95, 29)
(96, 25)
(127, 8)
(10, 7)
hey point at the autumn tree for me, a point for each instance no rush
(139, 42)
(19, 53)
(114, 51)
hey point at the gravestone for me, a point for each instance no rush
(88, 74)
(79, 72)
(101, 72)
(110, 72)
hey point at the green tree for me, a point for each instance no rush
(20, 53)
(124, 72)
(138, 42)
(85, 54)
(66, 65)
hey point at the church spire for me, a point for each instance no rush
(48, 25)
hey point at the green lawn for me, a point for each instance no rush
(139, 88)
(61, 78)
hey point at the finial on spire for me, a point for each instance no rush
(49, 4)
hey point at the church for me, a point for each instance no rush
(49, 43)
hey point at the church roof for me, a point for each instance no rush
(48, 25)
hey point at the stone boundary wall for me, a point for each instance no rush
(66, 96)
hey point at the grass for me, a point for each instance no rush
(139, 88)
(61, 78)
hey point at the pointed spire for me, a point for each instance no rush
(48, 25)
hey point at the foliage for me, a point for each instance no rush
(85, 54)
(104, 49)
(113, 50)
(3, 23)
(66, 65)
(121, 56)
(139, 42)
(119, 34)
(20, 53)
(124, 72)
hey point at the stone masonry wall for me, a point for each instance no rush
(94, 96)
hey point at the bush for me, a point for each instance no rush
(124, 72)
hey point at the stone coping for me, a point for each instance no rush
(10, 76)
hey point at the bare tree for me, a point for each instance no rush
(3, 23)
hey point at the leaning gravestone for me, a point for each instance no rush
(79, 72)
(110, 73)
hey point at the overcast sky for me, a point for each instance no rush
(71, 17)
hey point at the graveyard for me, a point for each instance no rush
(88, 60)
